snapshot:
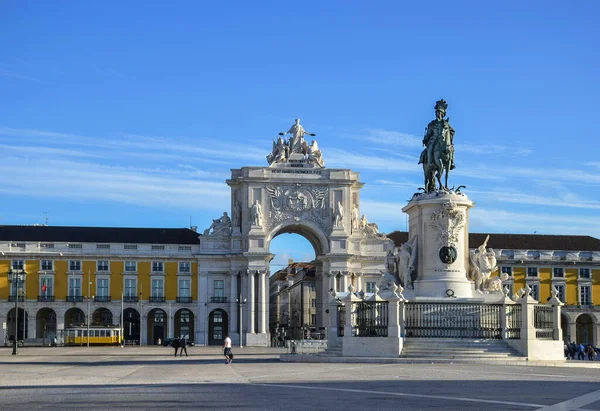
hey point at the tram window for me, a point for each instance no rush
(79, 333)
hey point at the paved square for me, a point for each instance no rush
(151, 378)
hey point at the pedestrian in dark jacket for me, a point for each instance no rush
(183, 343)
(176, 344)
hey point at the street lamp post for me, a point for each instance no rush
(88, 308)
(240, 304)
(17, 277)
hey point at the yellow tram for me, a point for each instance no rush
(98, 335)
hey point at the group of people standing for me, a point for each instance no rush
(180, 344)
(581, 350)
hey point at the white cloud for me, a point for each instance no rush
(504, 221)
(149, 187)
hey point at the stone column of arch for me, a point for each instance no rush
(171, 322)
(359, 281)
(202, 333)
(263, 302)
(345, 280)
(332, 276)
(250, 326)
(233, 307)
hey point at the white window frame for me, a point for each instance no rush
(18, 265)
(189, 288)
(162, 266)
(102, 279)
(215, 288)
(75, 270)
(580, 289)
(558, 276)
(47, 269)
(562, 291)
(49, 280)
(589, 270)
(125, 288)
(505, 269)
(370, 288)
(135, 264)
(152, 289)
(537, 272)
(71, 278)
(535, 290)
(102, 270)
(183, 264)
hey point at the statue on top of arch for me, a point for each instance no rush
(296, 144)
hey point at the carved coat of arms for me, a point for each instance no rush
(298, 203)
(448, 221)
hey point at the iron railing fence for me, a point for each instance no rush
(453, 320)
(514, 321)
(543, 321)
(341, 319)
(370, 319)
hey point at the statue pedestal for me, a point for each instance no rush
(440, 223)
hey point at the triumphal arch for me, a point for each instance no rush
(293, 193)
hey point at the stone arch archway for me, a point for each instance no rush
(184, 323)
(102, 316)
(218, 326)
(297, 196)
(585, 329)
(20, 328)
(45, 324)
(131, 325)
(74, 317)
(157, 325)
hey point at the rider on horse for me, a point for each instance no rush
(438, 156)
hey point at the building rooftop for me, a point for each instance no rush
(522, 241)
(42, 233)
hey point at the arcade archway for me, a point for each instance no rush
(184, 323)
(584, 326)
(218, 327)
(21, 327)
(45, 324)
(131, 326)
(157, 326)
(102, 316)
(74, 317)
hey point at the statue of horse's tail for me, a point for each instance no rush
(423, 157)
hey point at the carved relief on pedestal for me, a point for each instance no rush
(448, 221)
(295, 202)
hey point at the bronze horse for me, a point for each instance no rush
(443, 158)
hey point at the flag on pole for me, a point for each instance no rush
(44, 285)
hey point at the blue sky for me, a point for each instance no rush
(133, 113)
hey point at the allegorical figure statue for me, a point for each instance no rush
(438, 156)
(483, 263)
(235, 214)
(256, 213)
(297, 144)
(338, 215)
(280, 152)
(220, 226)
(314, 155)
(355, 217)
(405, 262)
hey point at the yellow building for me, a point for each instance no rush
(146, 275)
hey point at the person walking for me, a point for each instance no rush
(176, 344)
(183, 346)
(227, 349)
(581, 352)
